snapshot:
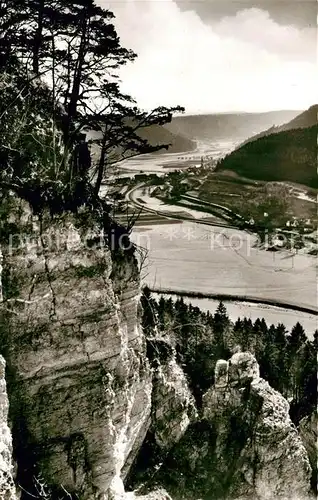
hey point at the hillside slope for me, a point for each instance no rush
(306, 119)
(228, 125)
(285, 156)
(156, 134)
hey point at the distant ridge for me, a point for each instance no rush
(305, 119)
(227, 126)
(157, 134)
(217, 113)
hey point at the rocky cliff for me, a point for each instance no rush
(92, 400)
(7, 489)
(83, 392)
(244, 446)
(80, 383)
(308, 427)
(270, 460)
(173, 405)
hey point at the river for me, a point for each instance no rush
(167, 162)
(271, 314)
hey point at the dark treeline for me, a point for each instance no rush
(287, 359)
(231, 297)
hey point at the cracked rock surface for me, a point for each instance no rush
(80, 384)
(83, 396)
(244, 447)
(7, 488)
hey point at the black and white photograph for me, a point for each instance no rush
(158, 249)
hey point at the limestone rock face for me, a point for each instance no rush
(7, 489)
(158, 494)
(221, 373)
(271, 461)
(243, 369)
(81, 385)
(244, 446)
(154, 495)
(173, 412)
(308, 427)
(83, 394)
(173, 406)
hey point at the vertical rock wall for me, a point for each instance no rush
(269, 460)
(244, 446)
(83, 395)
(7, 489)
(173, 405)
(308, 430)
(80, 384)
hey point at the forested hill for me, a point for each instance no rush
(157, 134)
(285, 156)
(227, 125)
(306, 119)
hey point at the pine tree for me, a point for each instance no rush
(278, 360)
(238, 333)
(73, 46)
(259, 339)
(161, 312)
(221, 327)
(182, 325)
(304, 382)
(247, 336)
(263, 326)
(296, 342)
(148, 304)
(297, 337)
(307, 377)
(221, 319)
(266, 361)
(170, 307)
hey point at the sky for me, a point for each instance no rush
(219, 56)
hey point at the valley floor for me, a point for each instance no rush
(207, 259)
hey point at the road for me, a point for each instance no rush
(131, 198)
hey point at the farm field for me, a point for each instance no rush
(194, 257)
